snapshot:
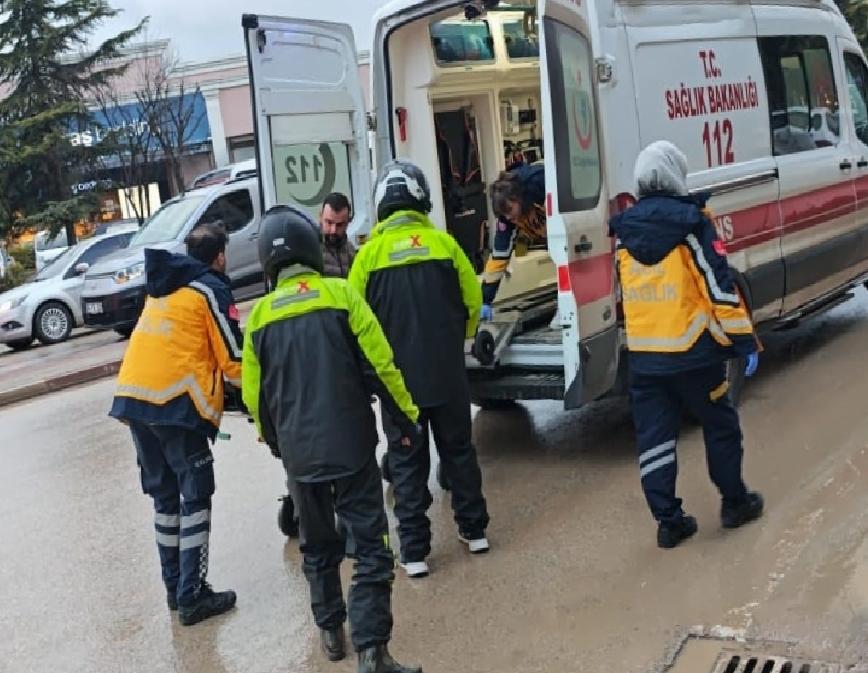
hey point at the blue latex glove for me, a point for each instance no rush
(487, 313)
(752, 364)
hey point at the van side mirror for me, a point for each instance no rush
(81, 268)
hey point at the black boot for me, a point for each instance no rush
(171, 599)
(209, 603)
(378, 660)
(745, 512)
(333, 643)
(670, 535)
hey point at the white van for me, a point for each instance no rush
(584, 85)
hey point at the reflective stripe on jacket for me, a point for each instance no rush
(681, 306)
(184, 344)
(313, 355)
(425, 293)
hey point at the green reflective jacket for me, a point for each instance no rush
(313, 355)
(426, 295)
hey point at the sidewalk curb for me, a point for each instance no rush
(60, 382)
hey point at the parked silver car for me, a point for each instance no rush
(49, 306)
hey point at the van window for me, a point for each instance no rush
(857, 83)
(577, 151)
(234, 210)
(462, 42)
(519, 44)
(803, 98)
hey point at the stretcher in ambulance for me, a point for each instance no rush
(768, 99)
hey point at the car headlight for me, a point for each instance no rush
(129, 274)
(9, 304)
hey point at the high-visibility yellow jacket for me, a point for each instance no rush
(185, 342)
(424, 292)
(682, 309)
(313, 355)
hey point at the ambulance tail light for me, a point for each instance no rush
(564, 284)
(622, 202)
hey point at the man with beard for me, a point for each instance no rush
(337, 251)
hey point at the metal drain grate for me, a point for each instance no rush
(752, 663)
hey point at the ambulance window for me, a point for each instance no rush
(577, 151)
(462, 42)
(803, 98)
(857, 83)
(520, 43)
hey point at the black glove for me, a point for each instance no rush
(232, 400)
(413, 434)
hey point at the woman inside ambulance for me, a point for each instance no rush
(518, 201)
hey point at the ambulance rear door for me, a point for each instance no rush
(309, 115)
(577, 201)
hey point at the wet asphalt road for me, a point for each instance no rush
(574, 581)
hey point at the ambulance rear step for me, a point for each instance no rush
(516, 384)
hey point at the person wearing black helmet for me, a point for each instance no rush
(425, 293)
(313, 355)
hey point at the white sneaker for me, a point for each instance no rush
(416, 569)
(477, 546)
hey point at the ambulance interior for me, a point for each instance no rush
(465, 109)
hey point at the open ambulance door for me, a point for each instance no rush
(309, 115)
(577, 202)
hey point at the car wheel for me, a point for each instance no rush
(125, 332)
(53, 323)
(20, 344)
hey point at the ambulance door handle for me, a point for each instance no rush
(845, 165)
(584, 246)
(862, 163)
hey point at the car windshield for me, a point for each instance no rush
(56, 266)
(168, 221)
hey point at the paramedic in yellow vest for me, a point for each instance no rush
(518, 201)
(684, 319)
(170, 393)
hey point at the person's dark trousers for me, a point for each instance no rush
(358, 502)
(452, 428)
(177, 471)
(658, 404)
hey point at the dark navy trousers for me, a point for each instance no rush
(177, 471)
(658, 404)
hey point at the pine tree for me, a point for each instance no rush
(43, 63)
(856, 13)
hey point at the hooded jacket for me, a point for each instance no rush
(681, 305)
(186, 340)
(425, 294)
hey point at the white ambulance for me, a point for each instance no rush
(768, 99)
